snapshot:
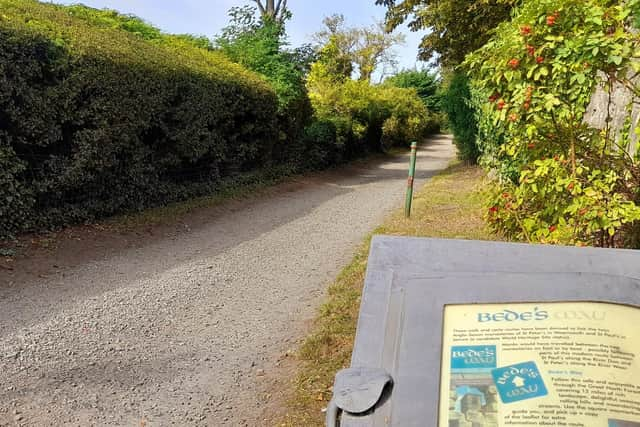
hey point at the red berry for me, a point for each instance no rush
(552, 228)
(526, 105)
(540, 59)
(493, 209)
(501, 104)
(531, 50)
(514, 63)
(551, 20)
(513, 117)
(525, 30)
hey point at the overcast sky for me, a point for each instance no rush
(207, 17)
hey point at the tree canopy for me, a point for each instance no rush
(364, 49)
(425, 83)
(455, 27)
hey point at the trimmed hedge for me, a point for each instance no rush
(95, 120)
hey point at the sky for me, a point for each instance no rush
(208, 17)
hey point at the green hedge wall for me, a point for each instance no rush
(95, 120)
(458, 104)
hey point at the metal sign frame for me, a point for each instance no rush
(409, 281)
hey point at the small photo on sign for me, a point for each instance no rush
(519, 382)
(473, 397)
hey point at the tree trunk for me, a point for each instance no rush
(272, 9)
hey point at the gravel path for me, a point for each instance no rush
(180, 331)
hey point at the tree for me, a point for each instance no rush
(426, 84)
(375, 48)
(363, 48)
(270, 9)
(456, 27)
(261, 46)
(336, 46)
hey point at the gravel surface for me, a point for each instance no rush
(181, 331)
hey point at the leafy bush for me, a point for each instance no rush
(367, 117)
(320, 145)
(426, 84)
(259, 45)
(567, 182)
(98, 121)
(461, 112)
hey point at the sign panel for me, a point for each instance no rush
(549, 364)
(557, 362)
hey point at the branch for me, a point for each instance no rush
(277, 11)
(283, 4)
(260, 6)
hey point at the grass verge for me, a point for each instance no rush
(448, 206)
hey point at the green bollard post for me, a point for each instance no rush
(412, 174)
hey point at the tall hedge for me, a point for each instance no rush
(457, 103)
(96, 120)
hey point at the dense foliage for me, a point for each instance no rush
(458, 104)
(428, 88)
(562, 180)
(453, 28)
(364, 49)
(97, 121)
(366, 117)
(260, 45)
(102, 113)
(426, 84)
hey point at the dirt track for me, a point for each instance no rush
(185, 326)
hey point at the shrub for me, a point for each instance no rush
(458, 104)
(367, 117)
(426, 84)
(427, 87)
(96, 120)
(259, 45)
(566, 181)
(322, 148)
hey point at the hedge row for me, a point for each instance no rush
(95, 120)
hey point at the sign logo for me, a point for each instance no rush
(519, 382)
(473, 357)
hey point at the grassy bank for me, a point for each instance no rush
(449, 206)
